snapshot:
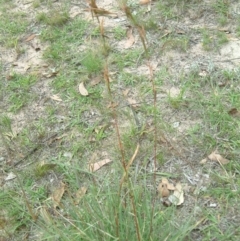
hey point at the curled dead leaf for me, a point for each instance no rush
(214, 156)
(31, 37)
(97, 165)
(177, 198)
(57, 194)
(170, 186)
(83, 91)
(163, 190)
(112, 105)
(234, 112)
(56, 97)
(79, 195)
(203, 161)
(164, 187)
(125, 92)
(130, 38)
(95, 81)
(142, 2)
(45, 215)
(133, 102)
(10, 176)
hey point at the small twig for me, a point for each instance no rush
(226, 60)
(129, 164)
(33, 150)
(69, 221)
(29, 207)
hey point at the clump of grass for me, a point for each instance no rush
(64, 42)
(176, 102)
(36, 3)
(17, 90)
(12, 27)
(14, 216)
(53, 18)
(43, 168)
(214, 40)
(221, 38)
(176, 43)
(221, 8)
(119, 33)
(92, 62)
(206, 40)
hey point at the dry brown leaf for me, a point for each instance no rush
(101, 11)
(57, 195)
(234, 112)
(79, 195)
(100, 128)
(50, 74)
(95, 81)
(125, 92)
(130, 38)
(10, 176)
(167, 32)
(177, 198)
(31, 37)
(203, 73)
(203, 161)
(180, 32)
(142, 2)
(112, 105)
(164, 187)
(214, 156)
(45, 215)
(223, 84)
(133, 102)
(56, 97)
(82, 89)
(170, 186)
(163, 190)
(93, 167)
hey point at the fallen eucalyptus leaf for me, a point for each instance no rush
(45, 215)
(214, 156)
(133, 102)
(57, 195)
(142, 2)
(97, 165)
(164, 187)
(31, 37)
(79, 195)
(56, 97)
(177, 198)
(163, 190)
(234, 112)
(170, 186)
(203, 161)
(95, 81)
(10, 176)
(83, 91)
